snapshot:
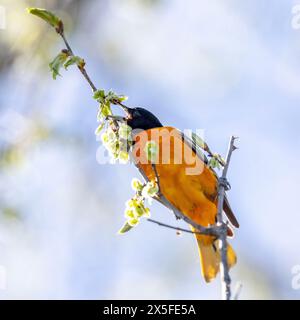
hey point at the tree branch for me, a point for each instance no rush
(82, 69)
(223, 184)
(162, 224)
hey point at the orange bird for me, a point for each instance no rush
(185, 180)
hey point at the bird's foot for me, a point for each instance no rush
(224, 182)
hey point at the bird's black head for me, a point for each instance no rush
(140, 118)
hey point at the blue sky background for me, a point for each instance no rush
(228, 67)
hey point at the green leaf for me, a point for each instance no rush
(133, 222)
(220, 160)
(74, 60)
(105, 110)
(115, 98)
(136, 184)
(122, 98)
(198, 141)
(48, 16)
(214, 163)
(58, 62)
(111, 95)
(129, 214)
(124, 131)
(123, 156)
(99, 95)
(150, 189)
(99, 128)
(126, 227)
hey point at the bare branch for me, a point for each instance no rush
(223, 184)
(82, 69)
(162, 224)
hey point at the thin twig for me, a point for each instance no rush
(224, 268)
(115, 118)
(61, 33)
(82, 69)
(162, 224)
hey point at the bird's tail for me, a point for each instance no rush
(210, 256)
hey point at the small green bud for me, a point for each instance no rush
(213, 163)
(220, 160)
(75, 60)
(122, 98)
(136, 184)
(113, 148)
(139, 210)
(130, 203)
(123, 156)
(126, 227)
(99, 95)
(104, 138)
(147, 213)
(111, 134)
(133, 222)
(124, 131)
(99, 129)
(129, 214)
(105, 110)
(150, 189)
(198, 141)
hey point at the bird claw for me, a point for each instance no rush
(224, 182)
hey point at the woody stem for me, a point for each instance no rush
(224, 267)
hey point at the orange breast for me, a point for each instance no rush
(184, 178)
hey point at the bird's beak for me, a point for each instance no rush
(127, 111)
(116, 118)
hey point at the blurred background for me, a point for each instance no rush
(228, 67)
